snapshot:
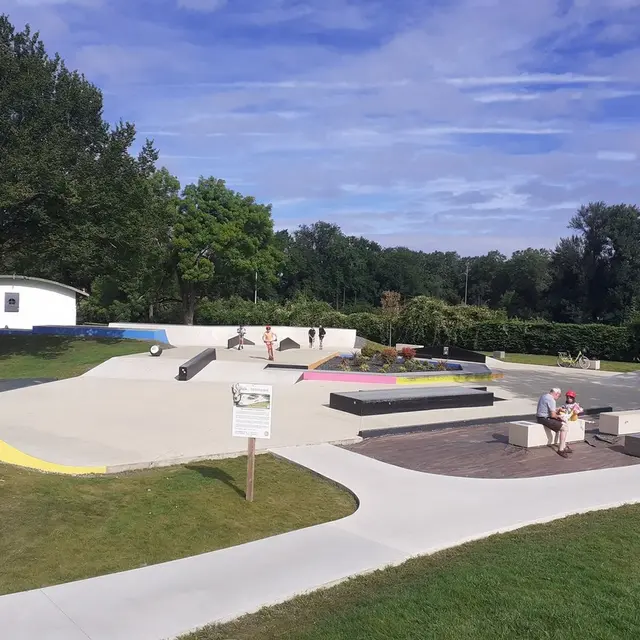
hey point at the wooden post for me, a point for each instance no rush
(251, 468)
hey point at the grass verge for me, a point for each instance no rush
(57, 529)
(568, 580)
(40, 356)
(551, 361)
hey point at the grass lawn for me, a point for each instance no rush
(605, 365)
(39, 356)
(569, 580)
(57, 528)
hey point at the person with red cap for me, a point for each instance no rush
(269, 337)
(571, 408)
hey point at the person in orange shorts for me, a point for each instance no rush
(269, 337)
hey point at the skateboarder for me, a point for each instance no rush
(241, 333)
(312, 337)
(269, 337)
(321, 334)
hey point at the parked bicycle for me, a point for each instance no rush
(565, 359)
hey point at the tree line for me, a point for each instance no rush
(78, 206)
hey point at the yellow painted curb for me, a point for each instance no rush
(452, 378)
(316, 364)
(11, 455)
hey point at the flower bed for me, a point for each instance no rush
(385, 361)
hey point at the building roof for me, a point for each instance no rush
(57, 284)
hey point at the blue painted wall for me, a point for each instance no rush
(156, 335)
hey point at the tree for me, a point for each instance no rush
(483, 275)
(75, 206)
(391, 303)
(611, 236)
(220, 239)
(525, 279)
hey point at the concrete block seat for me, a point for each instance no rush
(632, 445)
(529, 434)
(620, 423)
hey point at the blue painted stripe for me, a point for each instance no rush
(156, 335)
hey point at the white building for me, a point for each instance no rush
(28, 302)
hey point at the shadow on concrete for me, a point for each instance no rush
(214, 473)
(10, 385)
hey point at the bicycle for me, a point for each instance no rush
(565, 359)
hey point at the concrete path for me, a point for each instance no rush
(402, 514)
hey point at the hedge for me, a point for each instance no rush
(428, 321)
(598, 341)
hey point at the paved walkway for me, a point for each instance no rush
(402, 514)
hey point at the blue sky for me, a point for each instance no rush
(461, 125)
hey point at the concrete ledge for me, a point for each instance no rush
(194, 366)
(620, 423)
(632, 445)
(456, 424)
(527, 434)
(385, 401)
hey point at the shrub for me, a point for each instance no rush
(547, 338)
(356, 359)
(364, 367)
(408, 353)
(389, 355)
(430, 321)
(369, 325)
(370, 349)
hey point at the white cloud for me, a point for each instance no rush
(202, 5)
(523, 131)
(490, 98)
(617, 156)
(529, 79)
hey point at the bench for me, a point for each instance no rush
(632, 445)
(527, 434)
(620, 423)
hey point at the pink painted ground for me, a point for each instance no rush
(348, 376)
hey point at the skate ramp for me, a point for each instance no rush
(143, 366)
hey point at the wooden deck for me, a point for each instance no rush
(485, 452)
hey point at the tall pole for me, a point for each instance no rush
(466, 283)
(255, 290)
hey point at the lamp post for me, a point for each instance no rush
(466, 283)
(255, 289)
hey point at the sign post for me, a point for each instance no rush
(252, 404)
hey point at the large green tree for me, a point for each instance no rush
(220, 240)
(75, 205)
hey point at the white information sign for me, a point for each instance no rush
(252, 405)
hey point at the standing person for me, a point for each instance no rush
(312, 337)
(241, 333)
(321, 334)
(547, 415)
(269, 337)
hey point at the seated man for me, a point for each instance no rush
(547, 416)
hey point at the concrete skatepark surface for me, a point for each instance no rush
(131, 412)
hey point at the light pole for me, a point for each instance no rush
(255, 289)
(466, 283)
